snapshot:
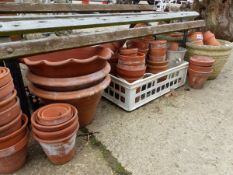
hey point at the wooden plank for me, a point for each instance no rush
(22, 48)
(60, 8)
(50, 25)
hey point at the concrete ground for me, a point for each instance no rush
(188, 134)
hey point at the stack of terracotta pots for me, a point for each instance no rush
(200, 68)
(75, 76)
(196, 38)
(131, 64)
(209, 39)
(156, 61)
(55, 127)
(13, 130)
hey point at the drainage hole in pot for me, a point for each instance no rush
(122, 99)
(153, 92)
(142, 96)
(123, 90)
(137, 99)
(158, 89)
(117, 96)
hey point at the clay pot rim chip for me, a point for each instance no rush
(52, 95)
(8, 99)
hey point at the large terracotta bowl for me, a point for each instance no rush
(85, 100)
(69, 63)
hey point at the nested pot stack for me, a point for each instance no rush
(13, 126)
(131, 64)
(75, 76)
(55, 127)
(200, 68)
(142, 44)
(157, 61)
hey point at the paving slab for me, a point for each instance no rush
(188, 134)
(87, 161)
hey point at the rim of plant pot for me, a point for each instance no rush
(128, 51)
(8, 101)
(131, 63)
(159, 52)
(158, 43)
(193, 36)
(57, 134)
(138, 43)
(156, 63)
(5, 76)
(54, 114)
(14, 137)
(6, 89)
(164, 67)
(74, 83)
(201, 60)
(11, 127)
(61, 126)
(51, 95)
(10, 113)
(208, 34)
(139, 57)
(201, 68)
(60, 57)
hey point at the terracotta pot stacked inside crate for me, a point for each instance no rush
(142, 44)
(74, 76)
(55, 127)
(156, 61)
(13, 130)
(200, 68)
(131, 64)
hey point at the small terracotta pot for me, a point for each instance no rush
(198, 42)
(85, 100)
(54, 128)
(129, 51)
(8, 101)
(197, 79)
(13, 157)
(59, 151)
(139, 59)
(158, 52)
(193, 36)
(6, 90)
(209, 39)
(173, 46)
(156, 63)
(145, 51)
(156, 69)
(156, 58)
(158, 44)
(201, 60)
(16, 136)
(5, 76)
(54, 114)
(131, 71)
(201, 68)
(11, 126)
(138, 43)
(69, 84)
(10, 114)
(69, 63)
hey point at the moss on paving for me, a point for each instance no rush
(116, 166)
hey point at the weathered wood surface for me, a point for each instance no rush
(50, 25)
(60, 8)
(22, 48)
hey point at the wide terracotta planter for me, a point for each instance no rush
(8, 101)
(6, 90)
(54, 114)
(11, 126)
(129, 51)
(69, 84)
(209, 39)
(197, 79)
(85, 100)
(59, 151)
(16, 136)
(54, 128)
(14, 157)
(201, 60)
(131, 71)
(5, 76)
(201, 68)
(69, 63)
(10, 114)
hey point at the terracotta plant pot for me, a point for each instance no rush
(69, 84)
(11, 126)
(193, 36)
(209, 39)
(145, 51)
(54, 114)
(69, 63)
(158, 52)
(5, 76)
(197, 79)
(156, 58)
(10, 114)
(85, 100)
(141, 44)
(53, 128)
(129, 51)
(201, 60)
(174, 46)
(8, 101)
(158, 44)
(201, 68)
(139, 59)
(6, 90)
(131, 71)
(16, 136)
(59, 151)
(14, 157)
(156, 63)
(156, 69)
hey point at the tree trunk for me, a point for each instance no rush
(218, 15)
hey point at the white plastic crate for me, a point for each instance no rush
(130, 96)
